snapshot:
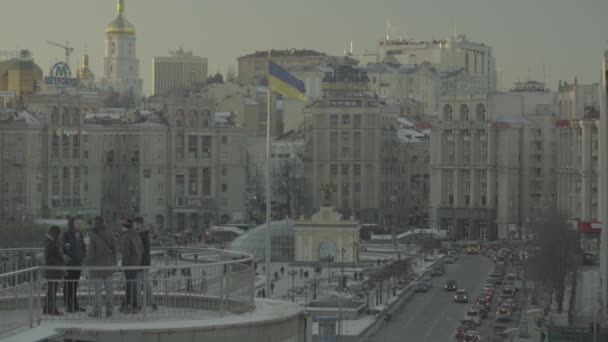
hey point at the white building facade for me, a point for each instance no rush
(180, 70)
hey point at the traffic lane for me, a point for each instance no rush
(433, 316)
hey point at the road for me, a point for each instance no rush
(433, 316)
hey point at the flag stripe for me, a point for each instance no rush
(284, 88)
(276, 71)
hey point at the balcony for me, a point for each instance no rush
(185, 284)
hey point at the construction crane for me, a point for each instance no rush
(66, 47)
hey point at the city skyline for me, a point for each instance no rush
(280, 26)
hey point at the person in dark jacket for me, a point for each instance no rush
(143, 276)
(53, 256)
(102, 253)
(75, 251)
(131, 250)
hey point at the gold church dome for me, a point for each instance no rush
(120, 25)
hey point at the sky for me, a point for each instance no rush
(565, 38)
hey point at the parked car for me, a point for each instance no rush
(473, 315)
(503, 315)
(421, 287)
(483, 311)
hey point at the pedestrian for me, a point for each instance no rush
(282, 271)
(131, 250)
(146, 260)
(263, 293)
(301, 273)
(542, 336)
(272, 288)
(74, 254)
(53, 256)
(102, 253)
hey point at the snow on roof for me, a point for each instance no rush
(513, 120)
(225, 119)
(14, 116)
(412, 135)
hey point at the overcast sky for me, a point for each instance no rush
(567, 37)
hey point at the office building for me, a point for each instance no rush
(179, 71)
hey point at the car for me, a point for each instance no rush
(421, 287)
(460, 332)
(450, 285)
(428, 282)
(484, 302)
(473, 315)
(471, 336)
(436, 272)
(449, 259)
(488, 287)
(504, 297)
(509, 290)
(483, 311)
(503, 315)
(461, 296)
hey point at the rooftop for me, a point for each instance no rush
(284, 53)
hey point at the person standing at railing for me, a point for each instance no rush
(75, 251)
(102, 253)
(131, 249)
(146, 260)
(53, 256)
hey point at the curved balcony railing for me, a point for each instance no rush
(183, 283)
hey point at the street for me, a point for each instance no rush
(433, 316)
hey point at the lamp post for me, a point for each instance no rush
(394, 218)
(293, 273)
(354, 246)
(330, 258)
(342, 251)
(523, 324)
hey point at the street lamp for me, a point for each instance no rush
(293, 273)
(330, 259)
(393, 221)
(342, 251)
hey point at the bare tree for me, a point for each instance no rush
(555, 257)
(289, 186)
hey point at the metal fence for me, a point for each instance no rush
(182, 283)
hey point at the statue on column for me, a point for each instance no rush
(327, 190)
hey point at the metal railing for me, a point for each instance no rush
(182, 283)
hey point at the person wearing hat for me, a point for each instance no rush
(131, 249)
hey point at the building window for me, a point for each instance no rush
(224, 203)
(193, 180)
(357, 121)
(333, 169)
(357, 170)
(224, 140)
(345, 120)
(85, 138)
(224, 187)
(333, 121)
(85, 154)
(160, 188)
(147, 173)
(113, 49)
(224, 171)
(357, 187)
(85, 186)
(206, 182)
(224, 156)
(345, 170)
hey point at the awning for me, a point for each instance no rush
(588, 227)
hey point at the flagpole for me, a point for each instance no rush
(268, 218)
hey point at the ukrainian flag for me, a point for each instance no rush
(284, 83)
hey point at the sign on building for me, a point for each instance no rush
(61, 76)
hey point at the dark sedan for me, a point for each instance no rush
(450, 285)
